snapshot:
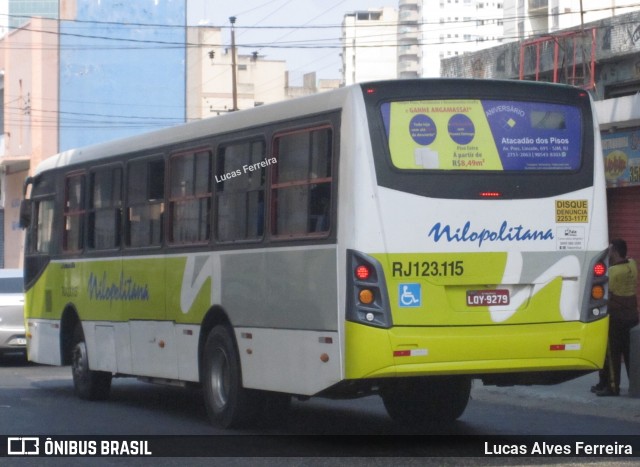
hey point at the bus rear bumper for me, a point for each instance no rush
(474, 350)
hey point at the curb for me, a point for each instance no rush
(571, 396)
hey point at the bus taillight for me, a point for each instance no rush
(367, 300)
(363, 272)
(597, 292)
(595, 307)
(366, 296)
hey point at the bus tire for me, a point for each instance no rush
(87, 384)
(426, 401)
(228, 403)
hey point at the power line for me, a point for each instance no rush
(309, 44)
(273, 44)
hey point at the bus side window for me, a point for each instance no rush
(74, 211)
(190, 197)
(301, 184)
(43, 226)
(105, 208)
(240, 180)
(145, 203)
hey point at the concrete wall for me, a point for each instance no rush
(370, 45)
(617, 47)
(29, 59)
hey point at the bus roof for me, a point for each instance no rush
(316, 103)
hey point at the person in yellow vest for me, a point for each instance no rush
(623, 315)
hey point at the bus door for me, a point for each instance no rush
(143, 283)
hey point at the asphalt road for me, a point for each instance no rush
(39, 400)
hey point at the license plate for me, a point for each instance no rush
(487, 297)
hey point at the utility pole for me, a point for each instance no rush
(234, 85)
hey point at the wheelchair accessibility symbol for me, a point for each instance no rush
(410, 295)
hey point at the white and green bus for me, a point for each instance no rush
(397, 238)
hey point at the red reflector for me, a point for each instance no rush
(599, 269)
(556, 347)
(402, 353)
(371, 91)
(363, 272)
(490, 194)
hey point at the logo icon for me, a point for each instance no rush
(23, 445)
(410, 295)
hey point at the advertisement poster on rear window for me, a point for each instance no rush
(467, 134)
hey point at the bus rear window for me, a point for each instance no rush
(483, 135)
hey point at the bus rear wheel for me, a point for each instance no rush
(88, 384)
(228, 403)
(426, 401)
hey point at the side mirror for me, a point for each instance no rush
(25, 213)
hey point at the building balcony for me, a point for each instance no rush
(408, 66)
(409, 16)
(538, 5)
(409, 50)
(408, 34)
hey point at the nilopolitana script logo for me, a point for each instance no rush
(471, 234)
(125, 290)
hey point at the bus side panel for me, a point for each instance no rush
(282, 288)
(292, 361)
(43, 312)
(43, 341)
(283, 306)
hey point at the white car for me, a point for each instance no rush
(12, 332)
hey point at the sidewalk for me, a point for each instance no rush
(574, 395)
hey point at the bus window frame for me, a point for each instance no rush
(249, 139)
(330, 181)
(470, 185)
(147, 159)
(170, 200)
(91, 209)
(37, 201)
(80, 213)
